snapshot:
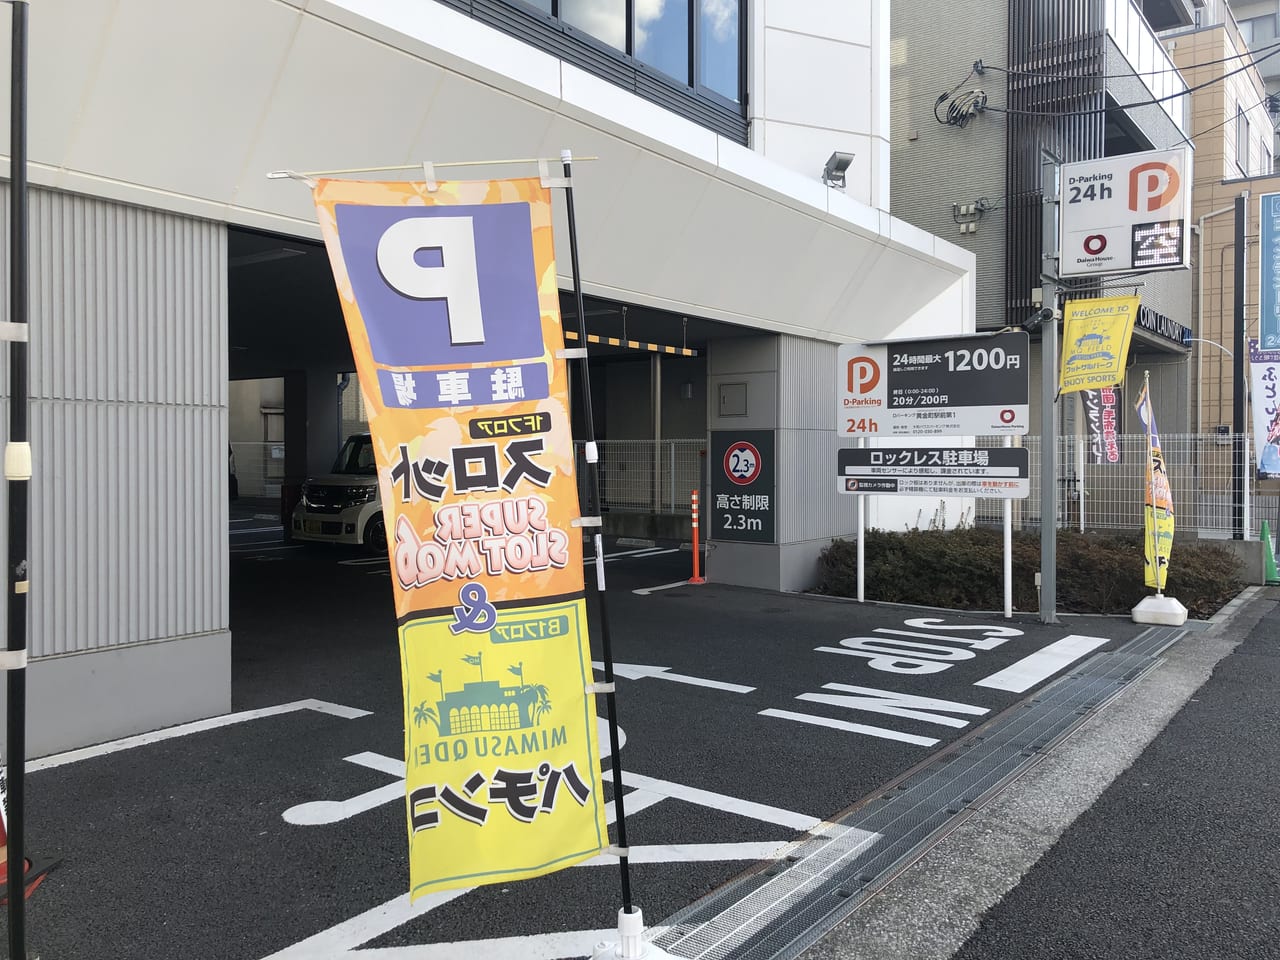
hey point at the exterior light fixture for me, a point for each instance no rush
(833, 172)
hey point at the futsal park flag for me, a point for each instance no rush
(1096, 334)
(1157, 510)
(452, 309)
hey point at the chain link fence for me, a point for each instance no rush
(259, 468)
(645, 476)
(1110, 496)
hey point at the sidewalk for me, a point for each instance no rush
(1154, 832)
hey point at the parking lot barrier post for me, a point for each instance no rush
(697, 557)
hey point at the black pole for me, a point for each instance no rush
(17, 473)
(1238, 466)
(593, 470)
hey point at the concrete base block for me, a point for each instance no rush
(1161, 611)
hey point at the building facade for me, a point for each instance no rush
(166, 265)
(1233, 134)
(1024, 81)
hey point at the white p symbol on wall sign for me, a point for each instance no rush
(454, 280)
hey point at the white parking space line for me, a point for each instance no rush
(198, 726)
(882, 732)
(251, 549)
(694, 852)
(1026, 673)
(718, 801)
(241, 533)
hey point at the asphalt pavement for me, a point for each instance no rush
(1151, 833)
(278, 833)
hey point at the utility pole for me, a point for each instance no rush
(1238, 465)
(1048, 393)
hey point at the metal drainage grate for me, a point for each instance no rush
(779, 912)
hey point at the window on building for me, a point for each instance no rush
(1264, 154)
(604, 19)
(686, 55)
(662, 36)
(719, 62)
(1242, 140)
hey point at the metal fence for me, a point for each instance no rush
(649, 476)
(1110, 496)
(259, 468)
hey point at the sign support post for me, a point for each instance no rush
(1049, 383)
(1238, 428)
(862, 530)
(1008, 549)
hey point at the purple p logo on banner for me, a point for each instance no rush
(444, 285)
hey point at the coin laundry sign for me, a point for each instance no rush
(450, 298)
(1127, 214)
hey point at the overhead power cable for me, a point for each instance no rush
(978, 98)
(980, 67)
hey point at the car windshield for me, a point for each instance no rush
(356, 456)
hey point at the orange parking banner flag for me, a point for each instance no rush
(452, 308)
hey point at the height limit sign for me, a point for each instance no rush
(742, 504)
(957, 386)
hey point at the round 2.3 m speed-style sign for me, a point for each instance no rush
(742, 463)
(743, 500)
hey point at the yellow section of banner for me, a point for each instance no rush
(1157, 503)
(1095, 342)
(452, 309)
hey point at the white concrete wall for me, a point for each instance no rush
(820, 83)
(184, 106)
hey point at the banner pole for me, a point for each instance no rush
(17, 471)
(606, 638)
(1150, 519)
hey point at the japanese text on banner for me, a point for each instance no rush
(1264, 367)
(452, 309)
(1157, 510)
(1095, 342)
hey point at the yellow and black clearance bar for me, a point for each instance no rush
(633, 344)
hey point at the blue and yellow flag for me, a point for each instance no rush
(1157, 502)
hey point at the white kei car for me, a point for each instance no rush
(344, 506)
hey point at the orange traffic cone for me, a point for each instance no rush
(34, 872)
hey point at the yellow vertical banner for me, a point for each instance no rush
(1095, 342)
(1157, 510)
(452, 309)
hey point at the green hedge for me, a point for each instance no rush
(962, 569)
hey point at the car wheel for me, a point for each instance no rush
(375, 534)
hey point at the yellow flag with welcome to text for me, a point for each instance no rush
(1096, 334)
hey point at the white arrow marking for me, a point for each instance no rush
(638, 671)
(645, 591)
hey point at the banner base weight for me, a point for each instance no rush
(631, 944)
(1160, 610)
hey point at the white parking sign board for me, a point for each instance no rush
(955, 386)
(1126, 214)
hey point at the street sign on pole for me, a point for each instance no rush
(951, 386)
(1126, 214)
(999, 473)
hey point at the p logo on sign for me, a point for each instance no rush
(445, 284)
(1154, 184)
(863, 374)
